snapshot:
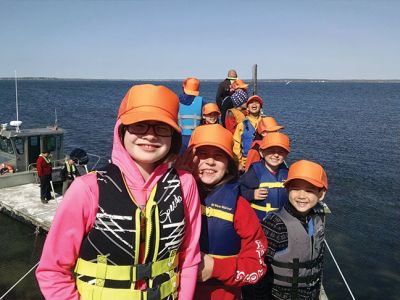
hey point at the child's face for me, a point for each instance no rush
(211, 118)
(212, 165)
(273, 157)
(254, 107)
(147, 148)
(304, 196)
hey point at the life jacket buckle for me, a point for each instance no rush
(154, 293)
(209, 211)
(143, 271)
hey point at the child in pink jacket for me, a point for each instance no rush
(129, 231)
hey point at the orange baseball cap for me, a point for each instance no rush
(275, 139)
(308, 171)
(150, 102)
(191, 86)
(268, 124)
(255, 98)
(210, 108)
(213, 135)
(239, 84)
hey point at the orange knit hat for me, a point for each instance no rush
(213, 135)
(150, 102)
(308, 171)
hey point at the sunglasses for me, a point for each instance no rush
(142, 128)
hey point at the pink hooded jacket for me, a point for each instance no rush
(76, 215)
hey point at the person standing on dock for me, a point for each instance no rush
(130, 230)
(68, 173)
(224, 88)
(190, 107)
(44, 170)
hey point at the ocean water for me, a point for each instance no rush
(353, 129)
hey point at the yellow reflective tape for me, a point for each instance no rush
(87, 268)
(271, 185)
(166, 288)
(157, 233)
(101, 270)
(221, 256)
(266, 208)
(216, 213)
(138, 213)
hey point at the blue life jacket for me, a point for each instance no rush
(218, 235)
(190, 115)
(247, 136)
(277, 194)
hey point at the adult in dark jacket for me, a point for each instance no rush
(224, 88)
(43, 166)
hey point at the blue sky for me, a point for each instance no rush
(155, 39)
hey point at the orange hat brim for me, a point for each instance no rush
(310, 180)
(191, 92)
(223, 148)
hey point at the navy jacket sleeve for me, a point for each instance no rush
(248, 183)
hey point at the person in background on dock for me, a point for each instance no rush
(237, 113)
(6, 169)
(224, 88)
(295, 239)
(68, 173)
(189, 109)
(44, 170)
(245, 130)
(262, 184)
(266, 125)
(210, 114)
(131, 230)
(232, 242)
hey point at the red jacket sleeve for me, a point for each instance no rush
(39, 166)
(248, 267)
(230, 122)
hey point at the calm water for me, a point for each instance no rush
(353, 129)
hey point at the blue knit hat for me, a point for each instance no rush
(239, 97)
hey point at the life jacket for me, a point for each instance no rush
(247, 136)
(190, 115)
(6, 169)
(71, 170)
(277, 194)
(108, 266)
(300, 265)
(237, 114)
(218, 235)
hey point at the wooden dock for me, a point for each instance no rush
(23, 203)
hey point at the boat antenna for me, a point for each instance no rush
(255, 79)
(56, 119)
(16, 100)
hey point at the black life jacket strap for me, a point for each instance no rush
(303, 265)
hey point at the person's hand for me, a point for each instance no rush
(260, 194)
(205, 268)
(187, 161)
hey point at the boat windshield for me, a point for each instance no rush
(5, 146)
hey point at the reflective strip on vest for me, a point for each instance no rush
(266, 208)
(132, 273)
(216, 213)
(89, 291)
(271, 185)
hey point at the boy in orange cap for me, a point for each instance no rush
(245, 131)
(210, 114)
(266, 125)
(262, 184)
(191, 103)
(295, 238)
(131, 230)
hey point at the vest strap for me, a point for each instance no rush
(216, 213)
(305, 265)
(266, 208)
(271, 185)
(306, 279)
(131, 273)
(156, 293)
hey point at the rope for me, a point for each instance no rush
(26, 274)
(337, 266)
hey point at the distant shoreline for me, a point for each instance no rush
(218, 80)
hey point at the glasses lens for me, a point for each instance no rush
(163, 130)
(137, 128)
(143, 128)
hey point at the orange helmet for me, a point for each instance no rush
(308, 171)
(239, 84)
(268, 124)
(213, 135)
(210, 108)
(275, 139)
(150, 102)
(191, 86)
